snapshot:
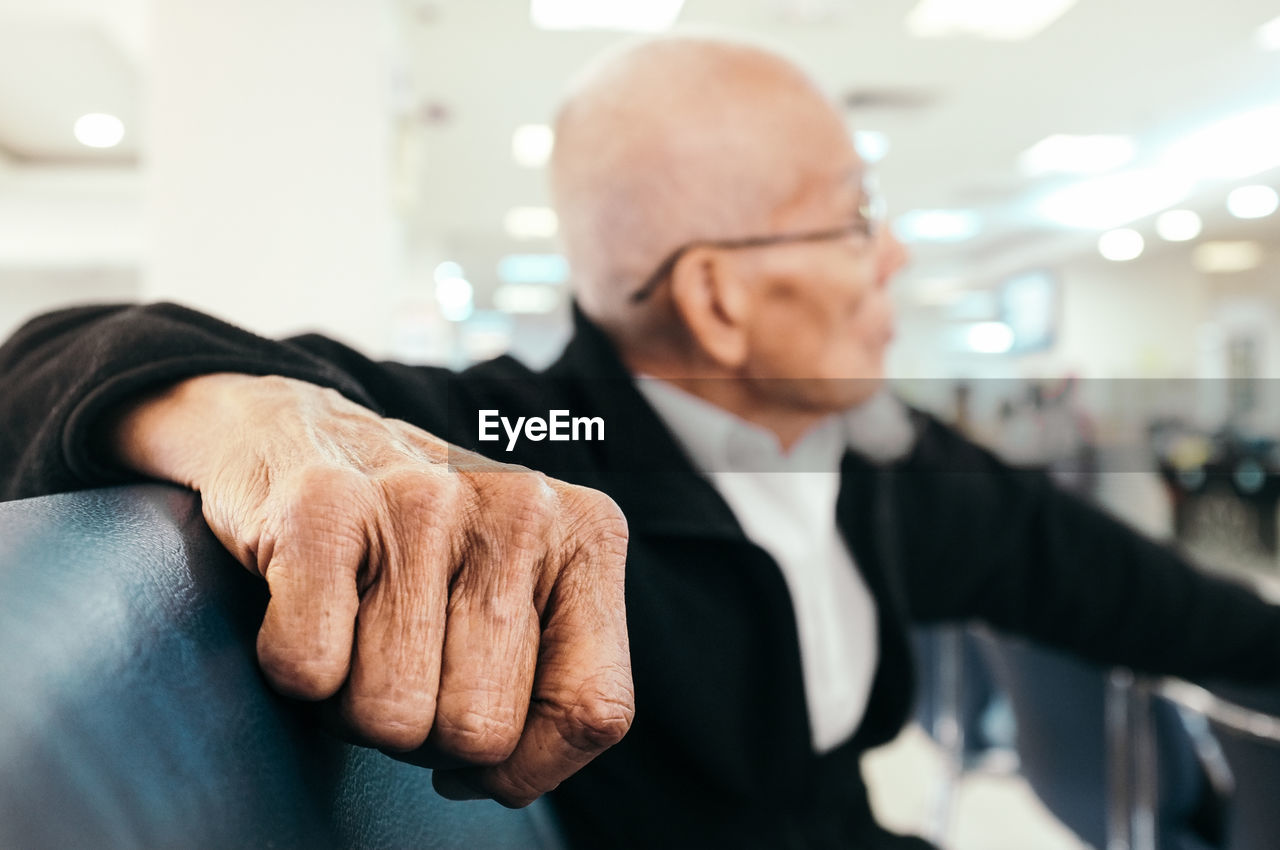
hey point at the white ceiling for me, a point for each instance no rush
(1149, 68)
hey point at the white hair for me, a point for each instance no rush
(661, 143)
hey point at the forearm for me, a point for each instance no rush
(63, 374)
(1099, 588)
(174, 434)
(1009, 548)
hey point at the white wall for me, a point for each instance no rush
(25, 293)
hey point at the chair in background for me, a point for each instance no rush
(1246, 725)
(1073, 735)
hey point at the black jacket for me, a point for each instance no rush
(719, 753)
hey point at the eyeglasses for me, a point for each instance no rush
(868, 220)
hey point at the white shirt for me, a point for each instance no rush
(786, 504)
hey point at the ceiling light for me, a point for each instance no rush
(531, 222)
(1116, 199)
(628, 15)
(937, 225)
(1178, 225)
(872, 145)
(1269, 35)
(531, 145)
(454, 295)
(526, 298)
(1230, 149)
(1225, 257)
(1252, 201)
(1121, 245)
(99, 130)
(533, 268)
(1006, 20)
(448, 270)
(1064, 154)
(989, 337)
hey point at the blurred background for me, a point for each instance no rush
(1088, 189)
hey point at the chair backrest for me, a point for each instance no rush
(1246, 724)
(1059, 706)
(132, 712)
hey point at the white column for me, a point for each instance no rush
(269, 164)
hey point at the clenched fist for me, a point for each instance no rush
(464, 609)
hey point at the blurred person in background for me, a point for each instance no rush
(786, 516)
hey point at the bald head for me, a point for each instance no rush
(672, 141)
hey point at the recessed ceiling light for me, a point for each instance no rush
(872, 145)
(937, 225)
(1116, 199)
(1226, 257)
(1178, 225)
(531, 145)
(447, 270)
(1269, 35)
(99, 130)
(531, 222)
(454, 295)
(1005, 20)
(989, 337)
(627, 15)
(1236, 147)
(1252, 201)
(1065, 154)
(1121, 245)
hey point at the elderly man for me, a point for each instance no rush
(732, 278)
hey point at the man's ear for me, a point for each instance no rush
(714, 302)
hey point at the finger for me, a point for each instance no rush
(310, 562)
(583, 698)
(390, 697)
(491, 642)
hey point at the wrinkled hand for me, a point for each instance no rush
(442, 599)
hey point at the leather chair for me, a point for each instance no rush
(133, 714)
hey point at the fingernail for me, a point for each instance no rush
(451, 787)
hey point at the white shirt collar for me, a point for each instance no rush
(719, 441)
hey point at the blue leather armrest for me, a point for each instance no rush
(133, 714)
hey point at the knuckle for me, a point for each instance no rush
(422, 491)
(325, 483)
(529, 517)
(388, 723)
(300, 674)
(516, 792)
(596, 519)
(323, 501)
(510, 514)
(600, 719)
(478, 736)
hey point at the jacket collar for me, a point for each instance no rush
(645, 470)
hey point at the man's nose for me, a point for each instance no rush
(891, 256)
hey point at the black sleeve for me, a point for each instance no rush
(984, 541)
(61, 371)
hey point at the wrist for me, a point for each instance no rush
(175, 433)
